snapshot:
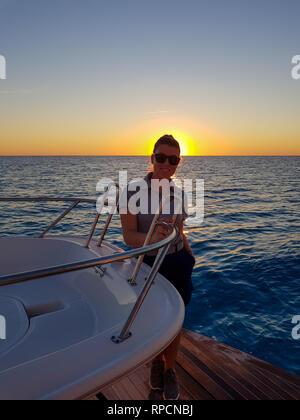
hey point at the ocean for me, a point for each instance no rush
(246, 278)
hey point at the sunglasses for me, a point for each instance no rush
(161, 158)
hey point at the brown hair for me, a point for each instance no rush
(167, 140)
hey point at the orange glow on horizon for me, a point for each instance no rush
(187, 145)
(196, 138)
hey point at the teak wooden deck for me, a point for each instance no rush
(208, 370)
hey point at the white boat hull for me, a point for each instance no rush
(59, 328)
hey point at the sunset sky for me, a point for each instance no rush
(93, 77)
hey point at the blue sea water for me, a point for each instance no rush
(246, 278)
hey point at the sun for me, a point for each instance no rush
(187, 145)
(184, 146)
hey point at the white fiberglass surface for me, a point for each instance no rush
(25, 254)
(58, 311)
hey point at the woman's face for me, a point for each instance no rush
(164, 170)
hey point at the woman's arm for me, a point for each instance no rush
(131, 236)
(137, 239)
(185, 240)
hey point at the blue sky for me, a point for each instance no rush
(224, 65)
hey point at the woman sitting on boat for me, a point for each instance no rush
(178, 264)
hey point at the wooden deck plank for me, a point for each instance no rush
(208, 370)
(282, 390)
(245, 366)
(184, 394)
(196, 391)
(292, 389)
(254, 393)
(237, 368)
(227, 375)
(120, 392)
(237, 382)
(201, 376)
(224, 349)
(123, 391)
(251, 380)
(285, 376)
(110, 394)
(138, 379)
(219, 384)
(133, 393)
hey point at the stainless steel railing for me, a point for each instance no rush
(75, 203)
(162, 247)
(99, 214)
(82, 265)
(151, 231)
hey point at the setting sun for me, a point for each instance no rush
(187, 146)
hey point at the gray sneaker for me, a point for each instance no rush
(157, 375)
(171, 389)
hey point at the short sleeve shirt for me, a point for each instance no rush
(145, 218)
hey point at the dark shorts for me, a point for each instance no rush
(177, 268)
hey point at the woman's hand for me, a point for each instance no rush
(161, 232)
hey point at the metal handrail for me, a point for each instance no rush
(162, 246)
(75, 202)
(62, 216)
(113, 184)
(153, 226)
(125, 333)
(45, 199)
(82, 265)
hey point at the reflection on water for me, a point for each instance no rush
(247, 249)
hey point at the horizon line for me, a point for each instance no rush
(67, 155)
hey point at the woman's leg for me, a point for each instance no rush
(171, 386)
(169, 355)
(160, 356)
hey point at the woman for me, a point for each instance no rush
(178, 264)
